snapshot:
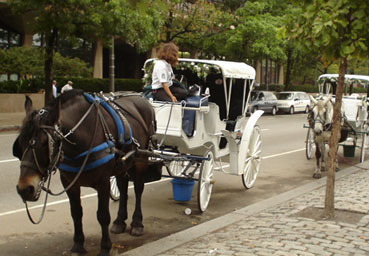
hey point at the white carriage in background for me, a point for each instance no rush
(355, 113)
(199, 135)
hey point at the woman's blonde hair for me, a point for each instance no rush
(169, 53)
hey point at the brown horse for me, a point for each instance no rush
(82, 139)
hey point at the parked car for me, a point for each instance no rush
(263, 100)
(291, 102)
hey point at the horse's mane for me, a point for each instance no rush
(29, 127)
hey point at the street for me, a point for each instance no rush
(283, 167)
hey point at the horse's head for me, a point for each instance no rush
(35, 147)
(321, 114)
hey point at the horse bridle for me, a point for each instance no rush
(319, 119)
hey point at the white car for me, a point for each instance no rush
(291, 102)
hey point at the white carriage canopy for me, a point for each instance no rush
(325, 81)
(229, 83)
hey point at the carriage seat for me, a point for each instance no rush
(188, 120)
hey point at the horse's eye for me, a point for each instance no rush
(32, 142)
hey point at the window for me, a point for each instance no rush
(9, 38)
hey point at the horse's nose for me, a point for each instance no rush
(26, 193)
(317, 131)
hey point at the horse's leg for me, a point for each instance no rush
(317, 174)
(119, 224)
(323, 165)
(103, 216)
(137, 227)
(74, 195)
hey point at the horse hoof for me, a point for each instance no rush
(77, 250)
(137, 231)
(118, 228)
(317, 175)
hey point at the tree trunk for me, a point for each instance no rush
(333, 143)
(288, 68)
(48, 68)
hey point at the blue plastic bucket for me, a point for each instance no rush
(182, 189)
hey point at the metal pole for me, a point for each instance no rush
(111, 67)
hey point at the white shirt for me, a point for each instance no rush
(162, 73)
(55, 93)
(66, 87)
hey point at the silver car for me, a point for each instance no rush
(291, 102)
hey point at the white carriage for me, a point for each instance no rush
(199, 135)
(355, 113)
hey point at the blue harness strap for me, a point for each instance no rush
(114, 115)
(73, 164)
(89, 165)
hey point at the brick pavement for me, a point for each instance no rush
(274, 228)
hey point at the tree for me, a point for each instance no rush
(24, 61)
(93, 19)
(337, 29)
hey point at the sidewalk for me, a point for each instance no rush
(11, 121)
(276, 226)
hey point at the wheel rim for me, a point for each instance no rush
(252, 161)
(114, 191)
(205, 183)
(363, 143)
(291, 110)
(309, 143)
(307, 109)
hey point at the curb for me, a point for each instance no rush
(179, 238)
(7, 128)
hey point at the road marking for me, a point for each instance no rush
(9, 160)
(94, 194)
(284, 153)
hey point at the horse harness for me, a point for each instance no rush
(98, 155)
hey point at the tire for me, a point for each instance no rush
(253, 158)
(274, 111)
(114, 191)
(205, 182)
(292, 110)
(307, 110)
(309, 143)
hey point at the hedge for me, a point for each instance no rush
(86, 84)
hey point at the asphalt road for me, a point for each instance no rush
(283, 167)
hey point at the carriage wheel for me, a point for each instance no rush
(309, 143)
(205, 184)
(114, 191)
(363, 142)
(252, 160)
(176, 168)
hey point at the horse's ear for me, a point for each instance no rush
(313, 100)
(28, 104)
(54, 114)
